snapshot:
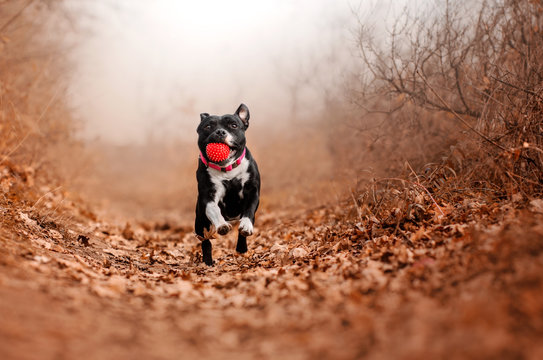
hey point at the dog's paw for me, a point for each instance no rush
(245, 227)
(224, 229)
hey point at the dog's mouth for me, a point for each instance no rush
(222, 148)
(221, 152)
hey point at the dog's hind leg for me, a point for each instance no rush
(241, 245)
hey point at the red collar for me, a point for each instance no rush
(234, 165)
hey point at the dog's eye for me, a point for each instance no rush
(234, 125)
(207, 127)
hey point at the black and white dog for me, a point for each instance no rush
(228, 191)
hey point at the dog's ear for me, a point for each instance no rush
(243, 113)
(203, 116)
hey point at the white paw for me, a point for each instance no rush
(245, 226)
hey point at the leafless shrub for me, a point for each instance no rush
(461, 86)
(34, 121)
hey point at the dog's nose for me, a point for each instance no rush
(220, 132)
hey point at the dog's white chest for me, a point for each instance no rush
(217, 177)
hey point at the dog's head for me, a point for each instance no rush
(227, 129)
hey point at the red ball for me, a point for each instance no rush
(217, 152)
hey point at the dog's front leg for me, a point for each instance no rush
(246, 223)
(213, 213)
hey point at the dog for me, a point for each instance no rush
(229, 190)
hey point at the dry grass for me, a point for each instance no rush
(34, 121)
(38, 153)
(458, 92)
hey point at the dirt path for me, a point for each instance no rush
(310, 287)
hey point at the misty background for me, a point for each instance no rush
(145, 69)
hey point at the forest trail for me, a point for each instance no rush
(464, 282)
(401, 213)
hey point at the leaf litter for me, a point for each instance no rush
(401, 281)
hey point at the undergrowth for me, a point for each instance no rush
(450, 106)
(35, 123)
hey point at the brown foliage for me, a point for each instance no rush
(33, 118)
(463, 281)
(459, 87)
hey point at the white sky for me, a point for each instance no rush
(150, 67)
